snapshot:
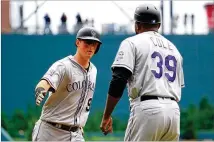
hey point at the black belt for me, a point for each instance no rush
(144, 98)
(64, 127)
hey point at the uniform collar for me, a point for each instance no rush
(90, 64)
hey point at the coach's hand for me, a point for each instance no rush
(106, 125)
(39, 95)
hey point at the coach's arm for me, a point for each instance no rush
(118, 83)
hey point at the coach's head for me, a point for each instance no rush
(147, 18)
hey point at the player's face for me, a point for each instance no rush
(87, 48)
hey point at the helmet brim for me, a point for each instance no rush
(90, 38)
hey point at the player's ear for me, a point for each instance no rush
(159, 25)
(136, 27)
(77, 42)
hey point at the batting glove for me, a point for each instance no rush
(39, 95)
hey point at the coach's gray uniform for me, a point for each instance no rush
(156, 67)
(69, 105)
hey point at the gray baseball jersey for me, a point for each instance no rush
(156, 67)
(74, 91)
(155, 63)
(70, 103)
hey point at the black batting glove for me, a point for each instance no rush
(39, 95)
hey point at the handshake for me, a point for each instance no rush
(39, 95)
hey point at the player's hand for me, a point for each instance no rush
(106, 125)
(40, 95)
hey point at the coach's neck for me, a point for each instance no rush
(142, 27)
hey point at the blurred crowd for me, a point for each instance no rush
(62, 29)
(188, 21)
(178, 23)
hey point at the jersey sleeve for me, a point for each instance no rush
(125, 56)
(182, 75)
(55, 74)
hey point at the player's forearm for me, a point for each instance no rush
(110, 105)
(116, 88)
(44, 84)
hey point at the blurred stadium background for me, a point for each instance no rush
(27, 27)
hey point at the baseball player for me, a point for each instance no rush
(70, 83)
(152, 67)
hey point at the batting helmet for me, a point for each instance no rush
(147, 13)
(89, 33)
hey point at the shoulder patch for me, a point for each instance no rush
(120, 55)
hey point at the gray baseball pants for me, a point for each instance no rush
(45, 132)
(153, 120)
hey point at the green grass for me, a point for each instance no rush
(93, 138)
(103, 138)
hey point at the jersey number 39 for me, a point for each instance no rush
(165, 62)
